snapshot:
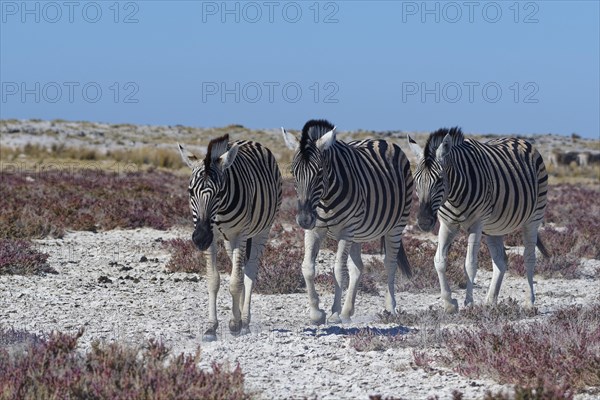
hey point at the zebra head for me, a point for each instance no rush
(430, 176)
(308, 167)
(207, 186)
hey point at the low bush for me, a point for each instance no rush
(52, 368)
(50, 202)
(280, 269)
(185, 257)
(421, 254)
(368, 283)
(371, 340)
(538, 392)
(561, 352)
(504, 311)
(19, 257)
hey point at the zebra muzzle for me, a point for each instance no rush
(426, 218)
(306, 217)
(306, 220)
(426, 223)
(202, 236)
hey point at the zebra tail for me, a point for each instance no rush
(248, 248)
(403, 261)
(542, 248)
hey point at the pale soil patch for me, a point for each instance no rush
(283, 357)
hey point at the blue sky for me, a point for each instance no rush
(490, 67)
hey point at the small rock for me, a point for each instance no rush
(104, 279)
(143, 259)
(125, 268)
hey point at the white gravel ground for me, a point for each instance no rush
(282, 357)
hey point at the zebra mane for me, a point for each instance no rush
(216, 148)
(313, 130)
(435, 139)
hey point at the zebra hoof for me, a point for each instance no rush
(451, 307)
(346, 319)
(334, 319)
(209, 336)
(235, 327)
(317, 317)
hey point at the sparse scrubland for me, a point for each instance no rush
(52, 368)
(554, 353)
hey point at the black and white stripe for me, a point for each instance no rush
(352, 192)
(490, 188)
(235, 193)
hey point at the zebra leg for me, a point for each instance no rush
(499, 260)
(341, 260)
(236, 285)
(530, 233)
(250, 273)
(445, 237)
(312, 241)
(213, 282)
(355, 268)
(473, 245)
(390, 260)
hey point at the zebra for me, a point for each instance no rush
(490, 188)
(351, 192)
(234, 192)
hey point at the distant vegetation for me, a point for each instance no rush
(49, 202)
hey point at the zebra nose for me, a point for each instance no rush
(426, 224)
(306, 217)
(306, 220)
(202, 236)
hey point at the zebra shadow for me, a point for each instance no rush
(339, 330)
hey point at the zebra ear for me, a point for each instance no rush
(444, 148)
(188, 158)
(416, 149)
(227, 159)
(327, 140)
(291, 141)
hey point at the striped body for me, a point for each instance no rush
(352, 192)
(234, 192)
(491, 188)
(502, 182)
(369, 190)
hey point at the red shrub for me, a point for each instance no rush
(562, 351)
(53, 368)
(185, 257)
(19, 257)
(280, 269)
(53, 201)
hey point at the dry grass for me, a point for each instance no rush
(142, 156)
